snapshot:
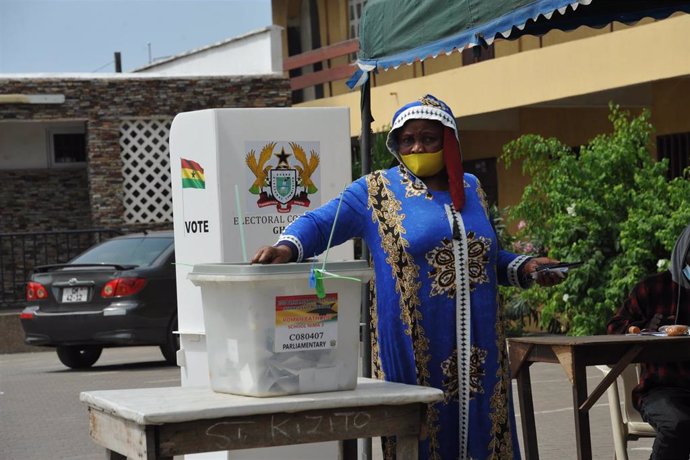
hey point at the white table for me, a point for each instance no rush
(159, 423)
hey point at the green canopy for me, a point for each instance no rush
(396, 32)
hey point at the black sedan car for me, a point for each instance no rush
(118, 293)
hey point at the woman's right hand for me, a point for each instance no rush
(273, 255)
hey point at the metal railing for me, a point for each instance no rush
(21, 252)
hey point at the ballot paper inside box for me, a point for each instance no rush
(269, 333)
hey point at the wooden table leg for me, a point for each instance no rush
(582, 435)
(529, 429)
(349, 449)
(406, 448)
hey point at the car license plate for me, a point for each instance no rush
(75, 294)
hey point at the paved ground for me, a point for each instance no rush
(556, 424)
(41, 416)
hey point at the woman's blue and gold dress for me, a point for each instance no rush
(435, 317)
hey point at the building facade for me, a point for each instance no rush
(556, 85)
(97, 155)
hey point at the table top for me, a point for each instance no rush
(562, 340)
(594, 350)
(155, 406)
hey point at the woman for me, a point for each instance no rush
(437, 264)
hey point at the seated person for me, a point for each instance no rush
(663, 394)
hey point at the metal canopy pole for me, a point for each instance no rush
(365, 158)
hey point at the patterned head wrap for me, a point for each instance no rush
(431, 108)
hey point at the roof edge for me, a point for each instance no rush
(206, 48)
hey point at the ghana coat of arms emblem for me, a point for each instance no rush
(283, 184)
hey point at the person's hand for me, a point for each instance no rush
(273, 255)
(659, 320)
(545, 277)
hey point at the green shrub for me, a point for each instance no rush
(610, 205)
(381, 158)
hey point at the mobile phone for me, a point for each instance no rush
(561, 267)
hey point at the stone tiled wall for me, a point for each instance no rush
(93, 197)
(44, 199)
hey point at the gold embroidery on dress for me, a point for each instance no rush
(477, 370)
(482, 198)
(386, 212)
(442, 272)
(501, 445)
(442, 262)
(413, 187)
(376, 367)
(449, 367)
(477, 259)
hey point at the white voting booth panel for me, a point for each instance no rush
(245, 174)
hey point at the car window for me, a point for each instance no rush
(126, 251)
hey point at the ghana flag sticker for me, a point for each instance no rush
(192, 174)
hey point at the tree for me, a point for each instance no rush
(609, 205)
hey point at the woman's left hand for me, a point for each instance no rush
(544, 277)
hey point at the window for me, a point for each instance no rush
(67, 146)
(355, 14)
(125, 251)
(675, 147)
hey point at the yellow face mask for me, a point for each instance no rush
(424, 164)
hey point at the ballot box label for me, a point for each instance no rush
(306, 322)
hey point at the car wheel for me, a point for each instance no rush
(78, 357)
(172, 344)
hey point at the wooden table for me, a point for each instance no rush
(159, 423)
(574, 354)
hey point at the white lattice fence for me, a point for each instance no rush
(146, 170)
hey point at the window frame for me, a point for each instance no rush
(57, 130)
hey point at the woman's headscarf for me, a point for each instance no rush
(430, 108)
